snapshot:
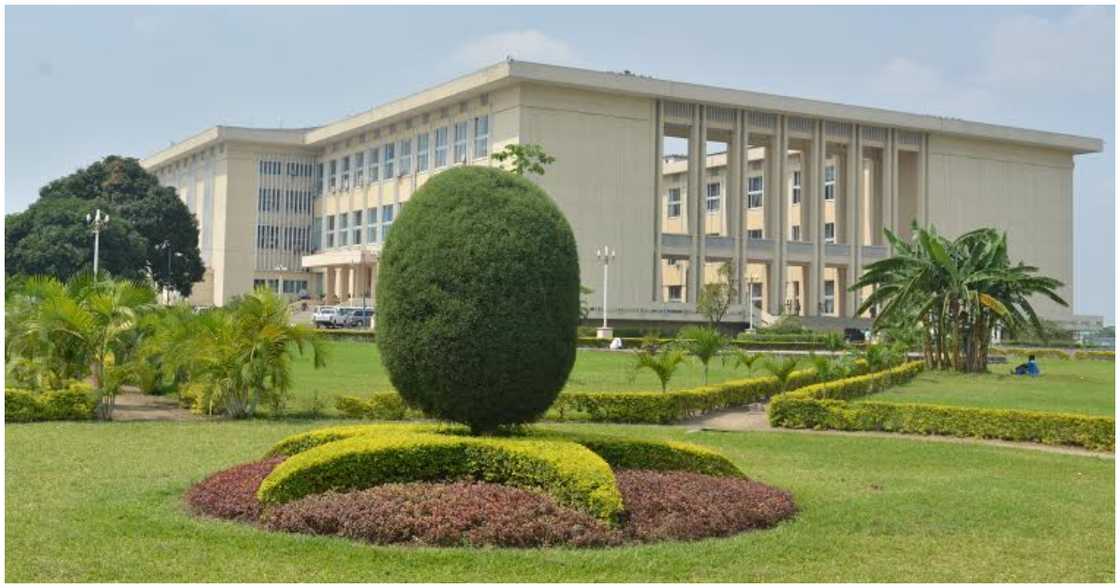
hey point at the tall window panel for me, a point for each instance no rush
(441, 147)
(460, 146)
(404, 157)
(481, 136)
(422, 152)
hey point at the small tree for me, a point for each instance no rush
(703, 343)
(524, 158)
(781, 368)
(663, 363)
(716, 298)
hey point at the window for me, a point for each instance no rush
(481, 136)
(359, 169)
(675, 293)
(343, 234)
(674, 202)
(332, 182)
(754, 233)
(796, 192)
(330, 230)
(830, 232)
(795, 233)
(404, 157)
(371, 226)
(712, 201)
(386, 220)
(460, 145)
(441, 147)
(829, 296)
(346, 173)
(356, 223)
(830, 182)
(374, 164)
(422, 152)
(322, 179)
(387, 165)
(754, 192)
(756, 294)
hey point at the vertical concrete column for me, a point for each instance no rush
(779, 188)
(658, 183)
(854, 189)
(695, 202)
(328, 285)
(923, 186)
(352, 283)
(373, 282)
(734, 198)
(892, 218)
(814, 287)
(339, 285)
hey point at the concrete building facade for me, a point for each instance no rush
(790, 196)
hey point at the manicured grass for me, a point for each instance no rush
(1082, 387)
(354, 368)
(103, 502)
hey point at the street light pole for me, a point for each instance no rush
(98, 221)
(605, 255)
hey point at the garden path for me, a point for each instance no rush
(754, 419)
(143, 407)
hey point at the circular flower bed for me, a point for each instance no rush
(659, 502)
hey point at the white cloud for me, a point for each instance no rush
(905, 84)
(527, 45)
(1026, 51)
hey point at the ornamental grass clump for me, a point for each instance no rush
(479, 299)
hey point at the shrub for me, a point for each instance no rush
(381, 406)
(640, 454)
(232, 493)
(76, 402)
(445, 515)
(684, 506)
(857, 386)
(568, 472)
(1102, 355)
(1039, 352)
(478, 254)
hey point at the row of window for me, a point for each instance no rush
(298, 287)
(287, 200)
(828, 304)
(795, 233)
(346, 228)
(755, 190)
(276, 168)
(297, 239)
(396, 159)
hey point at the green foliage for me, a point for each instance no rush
(52, 237)
(569, 472)
(524, 159)
(787, 324)
(834, 341)
(832, 368)
(782, 369)
(76, 402)
(642, 454)
(662, 363)
(1101, 355)
(880, 356)
(241, 354)
(956, 291)
(584, 305)
(381, 406)
(716, 298)
(743, 358)
(703, 343)
(476, 256)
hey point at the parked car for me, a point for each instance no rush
(854, 336)
(324, 316)
(352, 317)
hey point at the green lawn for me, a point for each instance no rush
(103, 502)
(1084, 387)
(354, 368)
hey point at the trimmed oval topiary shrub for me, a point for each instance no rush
(478, 299)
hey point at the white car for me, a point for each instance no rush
(324, 316)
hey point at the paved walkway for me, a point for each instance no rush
(756, 420)
(142, 407)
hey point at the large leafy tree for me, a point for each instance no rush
(957, 291)
(51, 237)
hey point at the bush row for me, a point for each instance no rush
(573, 475)
(1101, 355)
(1052, 353)
(364, 335)
(636, 342)
(74, 403)
(826, 406)
(379, 406)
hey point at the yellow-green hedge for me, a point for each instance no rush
(1101, 355)
(77, 402)
(569, 472)
(826, 406)
(380, 406)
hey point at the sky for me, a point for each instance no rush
(85, 82)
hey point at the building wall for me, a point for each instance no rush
(1026, 191)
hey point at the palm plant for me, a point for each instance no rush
(743, 358)
(243, 353)
(703, 343)
(663, 363)
(957, 291)
(831, 368)
(83, 327)
(781, 368)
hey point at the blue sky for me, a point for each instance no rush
(83, 82)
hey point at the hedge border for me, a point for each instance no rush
(75, 403)
(827, 406)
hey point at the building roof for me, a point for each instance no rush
(512, 72)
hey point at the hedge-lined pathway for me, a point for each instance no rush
(755, 419)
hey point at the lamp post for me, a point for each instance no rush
(98, 221)
(166, 246)
(280, 282)
(605, 255)
(750, 301)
